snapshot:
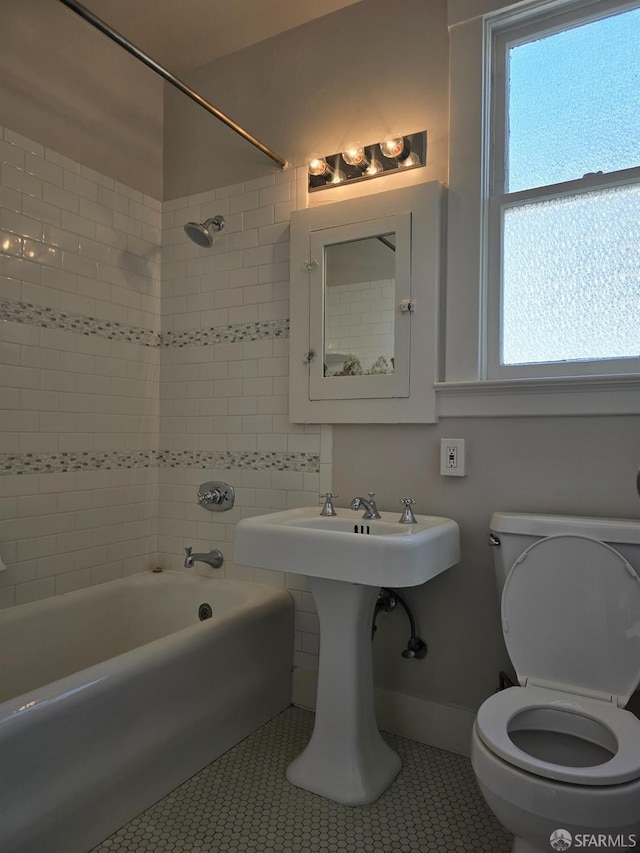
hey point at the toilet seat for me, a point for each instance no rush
(497, 712)
(571, 624)
(571, 618)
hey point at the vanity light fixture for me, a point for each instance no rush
(360, 162)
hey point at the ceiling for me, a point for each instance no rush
(186, 34)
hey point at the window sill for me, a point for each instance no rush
(587, 395)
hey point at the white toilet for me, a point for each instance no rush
(560, 752)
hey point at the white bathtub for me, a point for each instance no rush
(113, 695)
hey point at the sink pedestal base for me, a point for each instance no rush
(346, 759)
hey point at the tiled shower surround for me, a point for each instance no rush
(136, 365)
(229, 395)
(80, 308)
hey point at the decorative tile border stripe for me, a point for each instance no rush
(226, 334)
(245, 460)
(69, 462)
(50, 318)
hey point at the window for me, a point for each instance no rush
(564, 206)
(543, 259)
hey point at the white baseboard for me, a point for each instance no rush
(444, 726)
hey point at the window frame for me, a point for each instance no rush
(502, 39)
(470, 384)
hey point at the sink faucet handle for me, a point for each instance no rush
(407, 516)
(372, 502)
(328, 508)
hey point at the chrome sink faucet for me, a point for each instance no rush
(371, 510)
(213, 558)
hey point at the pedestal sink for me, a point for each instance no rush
(347, 559)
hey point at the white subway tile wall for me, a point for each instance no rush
(359, 320)
(79, 374)
(135, 365)
(229, 394)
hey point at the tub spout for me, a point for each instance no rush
(213, 558)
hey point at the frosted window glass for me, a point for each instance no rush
(571, 287)
(574, 103)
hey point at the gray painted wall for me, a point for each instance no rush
(570, 465)
(65, 85)
(361, 72)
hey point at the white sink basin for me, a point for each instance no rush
(346, 547)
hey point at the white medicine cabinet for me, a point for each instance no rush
(365, 277)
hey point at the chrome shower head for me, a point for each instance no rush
(202, 233)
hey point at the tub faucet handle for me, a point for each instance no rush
(216, 496)
(328, 508)
(212, 497)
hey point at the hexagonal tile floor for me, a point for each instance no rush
(242, 803)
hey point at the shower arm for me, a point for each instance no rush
(104, 28)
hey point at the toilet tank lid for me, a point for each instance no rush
(619, 530)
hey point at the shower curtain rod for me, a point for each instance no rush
(104, 28)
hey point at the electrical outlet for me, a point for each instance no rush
(452, 461)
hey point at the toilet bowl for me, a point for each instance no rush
(558, 758)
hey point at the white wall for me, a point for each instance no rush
(79, 360)
(224, 381)
(364, 72)
(564, 465)
(359, 319)
(75, 91)
(114, 411)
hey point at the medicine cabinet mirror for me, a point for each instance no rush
(364, 290)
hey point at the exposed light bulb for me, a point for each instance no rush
(411, 159)
(318, 166)
(394, 148)
(374, 168)
(354, 155)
